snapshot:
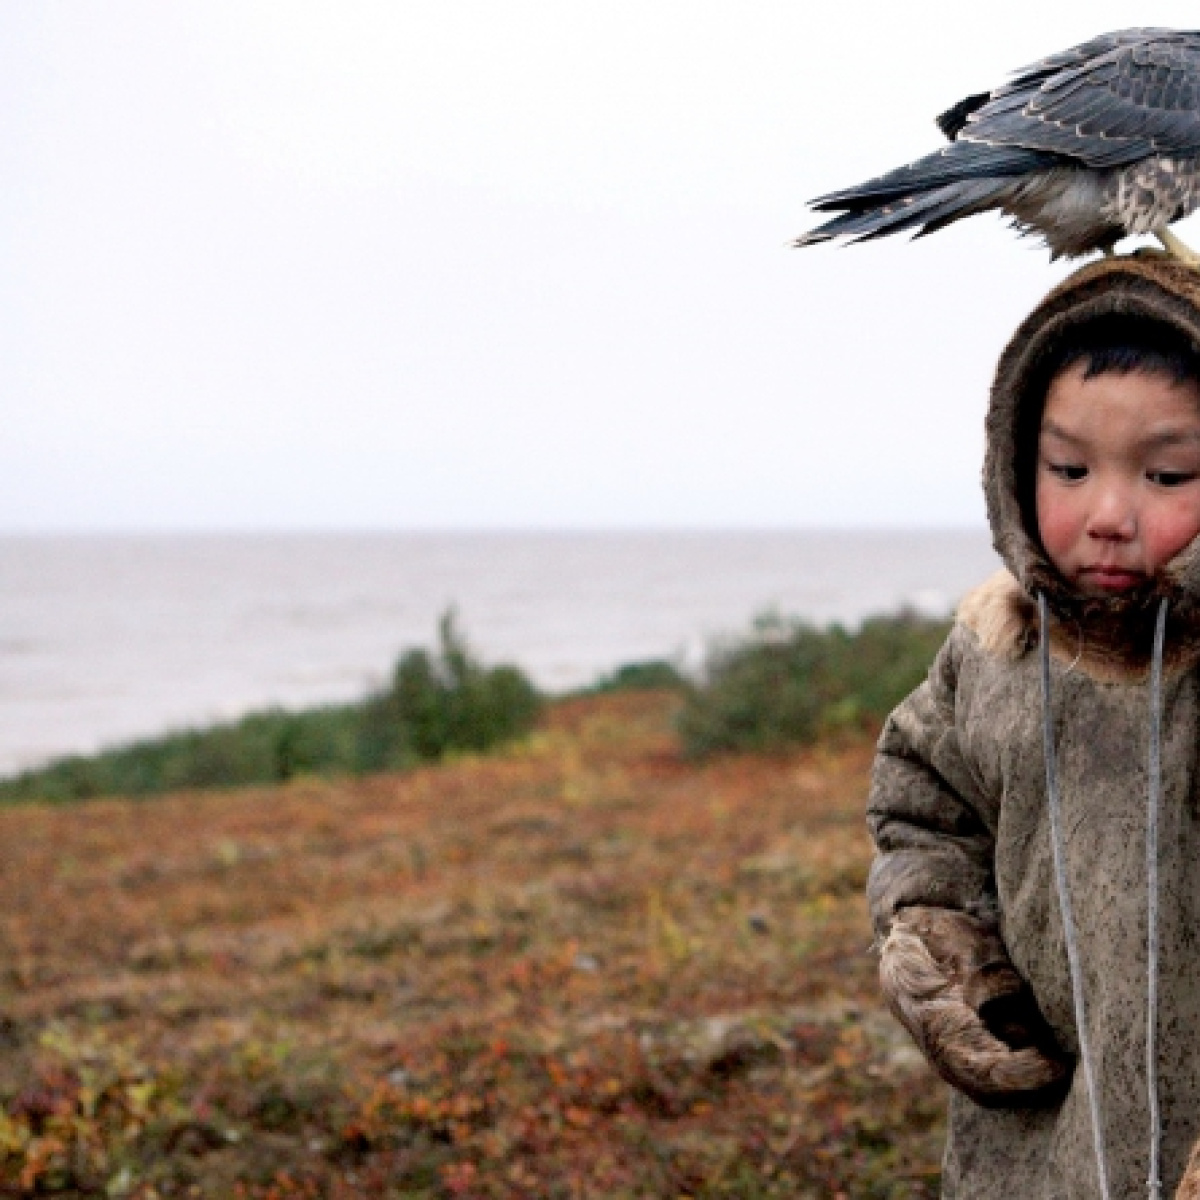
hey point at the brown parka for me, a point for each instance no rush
(962, 889)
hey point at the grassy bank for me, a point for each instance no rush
(437, 702)
(784, 683)
(583, 966)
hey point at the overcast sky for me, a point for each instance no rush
(493, 264)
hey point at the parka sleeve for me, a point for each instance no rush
(924, 813)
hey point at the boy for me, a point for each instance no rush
(986, 773)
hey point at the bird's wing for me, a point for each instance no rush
(1034, 75)
(1137, 97)
(1027, 79)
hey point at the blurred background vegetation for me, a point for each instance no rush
(437, 702)
(784, 683)
(787, 683)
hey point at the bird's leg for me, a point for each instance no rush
(1177, 248)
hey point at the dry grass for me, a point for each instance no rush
(579, 968)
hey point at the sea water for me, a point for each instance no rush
(104, 639)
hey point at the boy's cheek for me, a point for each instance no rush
(1058, 523)
(1171, 532)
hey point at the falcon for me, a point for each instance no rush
(1083, 148)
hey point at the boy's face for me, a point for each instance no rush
(1118, 476)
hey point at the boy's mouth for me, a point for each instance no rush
(1110, 579)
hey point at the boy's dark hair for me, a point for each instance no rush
(1113, 343)
(1123, 344)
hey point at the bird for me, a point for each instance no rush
(1084, 148)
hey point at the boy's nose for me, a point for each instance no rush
(1113, 517)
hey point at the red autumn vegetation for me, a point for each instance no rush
(579, 967)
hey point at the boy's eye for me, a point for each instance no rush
(1068, 471)
(1170, 478)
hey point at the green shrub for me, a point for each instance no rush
(789, 682)
(645, 675)
(447, 702)
(437, 702)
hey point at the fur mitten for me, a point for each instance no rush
(948, 979)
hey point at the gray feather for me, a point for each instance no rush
(1124, 90)
(954, 118)
(952, 164)
(934, 209)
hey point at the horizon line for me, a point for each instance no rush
(486, 530)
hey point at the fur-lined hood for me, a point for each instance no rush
(1109, 637)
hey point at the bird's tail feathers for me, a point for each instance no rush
(952, 164)
(932, 210)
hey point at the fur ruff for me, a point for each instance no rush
(1002, 615)
(1189, 1186)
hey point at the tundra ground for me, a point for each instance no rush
(579, 967)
